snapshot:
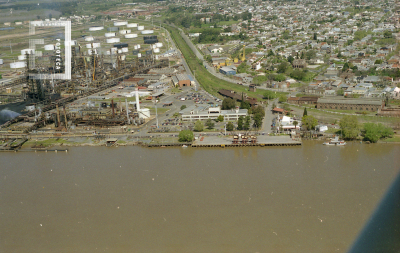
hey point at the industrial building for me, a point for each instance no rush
(194, 113)
(341, 103)
(227, 71)
(183, 80)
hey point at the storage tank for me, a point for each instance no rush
(140, 28)
(96, 45)
(121, 45)
(156, 50)
(89, 38)
(131, 25)
(152, 41)
(159, 44)
(135, 52)
(73, 43)
(139, 55)
(113, 29)
(17, 65)
(154, 46)
(135, 47)
(108, 35)
(48, 47)
(96, 28)
(120, 23)
(113, 40)
(123, 31)
(92, 51)
(114, 50)
(130, 36)
(147, 32)
(138, 45)
(122, 57)
(144, 113)
(120, 51)
(124, 50)
(21, 57)
(88, 45)
(1, 61)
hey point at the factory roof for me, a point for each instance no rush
(350, 101)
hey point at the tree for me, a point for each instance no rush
(310, 54)
(230, 126)
(305, 112)
(198, 126)
(349, 126)
(340, 92)
(282, 99)
(220, 118)
(186, 136)
(315, 36)
(245, 105)
(240, 123)
(283, 67)
(374, 132)
(290, 59)
(269, 94)
(258, 118)
(183, 107)
(228, 103)
(295, 123)
(345, 67)
(210, 124)
(378, 61)
(247, 123)
(309, 122)
(387, 34)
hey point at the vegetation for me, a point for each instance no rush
(198, 126)
(210, 124)
(186, 136)
(240, 123)
(350, 127)
(183, 107)
(228, 103)
(230, 126)
(374, 132)
(309, 122)
(220, 118)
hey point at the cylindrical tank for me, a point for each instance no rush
(156, 50)
(131, 25)
(48, 47)
(120, 51)
(147, 32)
(140, 28)
(138, 45)
(135, 47)
(114, 50)
(107, 35)
(96, 28)
(139, 55)
(159, 44)
(89, 38)
(21, 57)
(122, 57)
(1, 61)
(96, 45)
(88, 45)
(120, 23)
(130, 36)
(123, 31)
(73, 43)
(144, 113)
(17, 65)
(27, 51)
(112, 29)
(154, 46)
(113, 40)
(124, 50)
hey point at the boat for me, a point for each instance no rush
(184, 146)
(335, 142)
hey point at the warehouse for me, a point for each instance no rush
(183, 80)
(350, 104)
(227, 71)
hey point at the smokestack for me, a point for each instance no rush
(126, 109)
(112, 106)
(137, 100)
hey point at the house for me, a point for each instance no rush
(299, 63)
(215, 49)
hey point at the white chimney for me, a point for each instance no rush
(137, 100)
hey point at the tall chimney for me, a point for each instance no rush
(137, 100)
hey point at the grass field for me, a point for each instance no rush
(207, 81)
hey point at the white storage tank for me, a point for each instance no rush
(156, 50)
(138, 46)
(108, 35)
(139, 55)
(48, 47)
(92, 51)
(96, 45)
(122, 57)
(130, 36)
(30, 107)
(120, 51)
(140, 28)
(1, 61)
(123, 32)
(114, 50)
(89, 38)
(144, 113)
(147, 32)
(21, 57)
(27, 51)
(108, 52)
(124, 50)
(88, 45)
(113, 40)
(159, 44)
(96, 28)
(131, 25)
(135, 47)
(73, 43)
(120, 23)
(154, 46)
(17, 65)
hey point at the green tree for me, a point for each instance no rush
(310, 54)
(198, 126)
(309, 122)
(378, 61)
(186, 136)
(228, 103)
(340, 92)
(387, 34)
(295, 123)
(220, 118)
(283, 67)
(210, 124)
(240, 123)
(345, 67)
(183, 107)
(374, 132)
(269, 94)
(290, 59)
(247, 123)
(258, 118)
(279, 77)
(349, 126)
(230, 126)
(245, 105)
(315, 36)
(282, 99)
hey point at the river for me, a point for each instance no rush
(311, 198)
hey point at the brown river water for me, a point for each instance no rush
(311, 198)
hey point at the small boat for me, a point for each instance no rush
(328, 143)
(184, 146)
(342, 143)
(335, 142)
